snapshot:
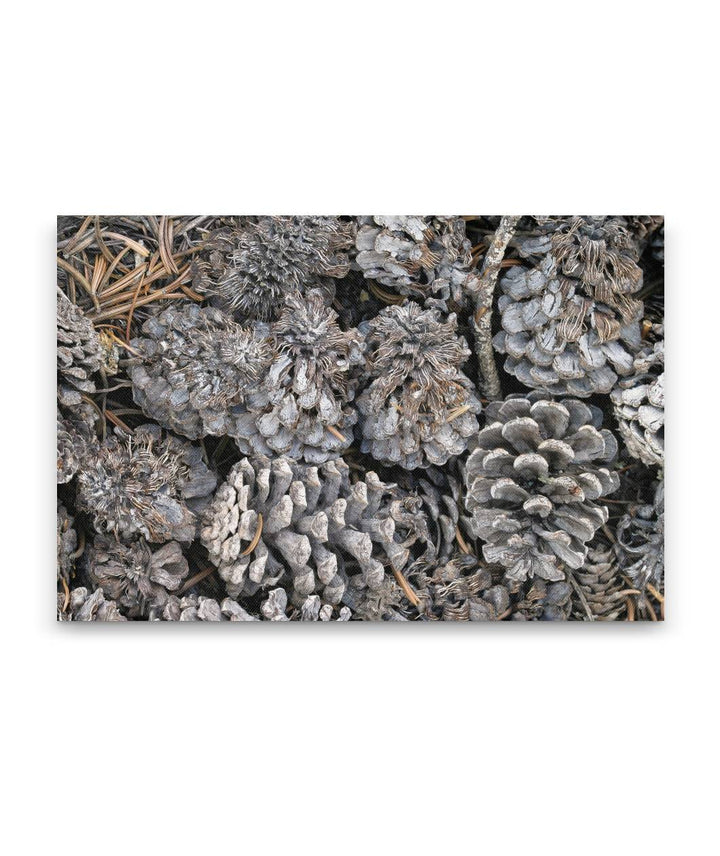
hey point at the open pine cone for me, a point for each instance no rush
(639, 403)
(533, 482)
(641, 542)
(419, 408)
(195, 369)
(251, 265)
(145, 484)
(83, 606)
(301, 407)
(195, 607)
(570, 325)
(79, 352)
(424, 257)
(274, 518)
(134, 576)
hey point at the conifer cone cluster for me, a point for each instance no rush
(297, 418)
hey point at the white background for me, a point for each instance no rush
(359, 739)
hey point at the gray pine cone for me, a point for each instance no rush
(196, 368)
(599, 582)
(301, 408)
(76, 439)
(641, 542)
(145, 484)
(277, 518)
(570, 325)
(639, 403)
(251, 266)
(194, 607)
(533, 482)
(66, 543)
(79, 352)
(419, 408)
(134, 576)
(83, 606)
(423, 257)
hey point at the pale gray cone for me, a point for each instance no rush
(570, 323)
(85, 606)
(302, 408)
(137, 578)
(66, 543)
(76, 440)
(145, 485)
(641, 542)
(194, 607)
(306, 527)
(417, 408)
(424, 257)
(533, 483)
(78, 347)
(250, 265)
(196, 368)
(600, 583)
(639, 403)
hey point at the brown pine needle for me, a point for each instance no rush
(630, 609)
(385, 296)
(194, 580)
(75, 274)
(116, 420)
(457, 412)
(462, 543)
(655, 593)
(67, 594)
(405, 586)
(334, 431)
(256, 538)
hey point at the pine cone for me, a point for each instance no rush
(424, 257)
(134, 576)
(538, 600)
(66, 543)
(194, 607)
(78, 351)
(145, 484)
(83, 606)
(301, 407)
(275, 516)
(571, 324)
(419, 407)
(641, 542)
(599, 582)
(533, 481)
(639, 403)
(76, 439)
(196, 369)
(250, 266)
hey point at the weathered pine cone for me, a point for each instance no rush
(533, 481)
(570, 325)
(539, 600)
(599, 582)
(419, 408)
(83, 606)
(424, 257)
(641, 542)
(76, 439)
(66, 543)
(194, 607)
(78, 352)
(134, 576)
(274, 519)
(301, 408)
(250, 266)
(145, 485)
(639, 403)
(195, 369)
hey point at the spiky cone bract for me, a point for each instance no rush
(428, 258)
(194, 369)
(302, 408)
(307, 528)
(570, 324)
(145, 484)
(417, 406)
(534, 484)
(249, 265)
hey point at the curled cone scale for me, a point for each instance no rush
(417, 408)
(534, 484)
